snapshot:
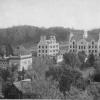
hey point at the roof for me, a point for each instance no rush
(24, 86)
(77, 36)
(92, 36)
(20, 50)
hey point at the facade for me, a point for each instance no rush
(22, 59)
(4, 63)
(83, 42)
(63, 47)
(48, 47)
(59, 58)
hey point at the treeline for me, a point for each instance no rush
(24, 34)
(27, 34)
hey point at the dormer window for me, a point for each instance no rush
(81, 42)
(89, 46)
(73, 42)
(39, 46)
(92, 42)
(42, 46)
(46, 46)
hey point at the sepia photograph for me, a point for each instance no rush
(50, 49)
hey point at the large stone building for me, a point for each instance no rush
(22, 58)
(47, 47)
(82, 42)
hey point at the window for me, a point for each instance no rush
(45, 46)
(70, 46)
(95, 50)
(92, 46)
(89, 51)
(57, 46)
(81, 42)
(95, 46)
(50, 50)
(92, 42)
(84, 47)
(79, 47)
(39, 50)
(42, 46)
(39, 46)
(46, 51)
(54, 46)
(57, 50)
(50, 46)
(89, 46)
(42, 51)
(53, 50)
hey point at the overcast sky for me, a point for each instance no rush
(81, 14)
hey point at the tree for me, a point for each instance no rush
(82, 56)
(8, 75)
(65, 76)
(91, 59)
(72, 60)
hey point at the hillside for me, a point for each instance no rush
(31, 34)
(25, 34)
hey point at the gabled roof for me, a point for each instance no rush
(77, 36)
(21, 51)
(91, 37)
(24, 86)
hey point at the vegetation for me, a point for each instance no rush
(57, 81)
(31, 34)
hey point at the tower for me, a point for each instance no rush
(99, 36)
(99, 45)
(70, 36)
(43, 38)
(85, 35)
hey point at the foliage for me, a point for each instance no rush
(91, 59)
(46, 89)
(82, 56)
(94, 90)
(66, 77)
(27, 34)
(6, 49)
(72, 60)
(8, 75)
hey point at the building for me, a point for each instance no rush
(63, 47)
(84, 42)
(4, 63)
(19, 90)
(47, 47)
(22, 59)
(59, 58)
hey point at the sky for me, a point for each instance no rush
(79, 14)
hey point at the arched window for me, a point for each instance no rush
(92, 42)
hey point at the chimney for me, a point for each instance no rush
(71, 35)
